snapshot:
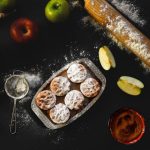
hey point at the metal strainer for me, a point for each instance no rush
(16, 87)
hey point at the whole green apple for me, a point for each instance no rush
(57, 10)
(7, 5)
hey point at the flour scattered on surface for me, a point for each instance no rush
(77, 53)
(115, 40)
(34, 80)
(66, 58)
(23, 118)
(147, 68)
(75, 3)
(132, 38)
(26, 99)
(83, 53)
(103, 7)
(58, 139)
(87, 20)
(128, 8)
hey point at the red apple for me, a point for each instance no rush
(23, 30)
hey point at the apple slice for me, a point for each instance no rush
(110, 56)
(133, 81)
(106, 58)
(130, 85)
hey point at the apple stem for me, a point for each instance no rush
(56, 6)
(24, 30)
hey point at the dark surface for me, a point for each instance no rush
(54, 41)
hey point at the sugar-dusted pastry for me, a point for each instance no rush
(45, 100)
(77, 73)
(74, 100)
(59, 114)
(90, 87)
(127, 126)
(60, 86)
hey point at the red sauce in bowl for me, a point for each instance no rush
(127, 126)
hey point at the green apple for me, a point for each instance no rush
(6, 5)
(57, 10)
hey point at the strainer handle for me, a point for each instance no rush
(12, 125)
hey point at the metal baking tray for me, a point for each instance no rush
(92, 71)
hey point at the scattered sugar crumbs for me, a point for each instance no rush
(75, 3)
(23, 118)
(128, 8)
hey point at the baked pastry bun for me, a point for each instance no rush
(77, 73)
(45, 100)
(60, 86)
(74, 100)
(59, 113)
(90, 87)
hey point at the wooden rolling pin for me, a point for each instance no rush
(129, 36)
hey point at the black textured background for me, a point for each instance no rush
(54, 41)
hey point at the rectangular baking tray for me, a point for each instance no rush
(92, 68)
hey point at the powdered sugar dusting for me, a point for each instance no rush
(128, 8)
(74, 53)
(77, 73)
(33, 79)
(84, 54)
(60, 85)
(147, 68)
(59, 138)
(90, 87)
(75, 3)
(89, 20)
(66, 58)
(23, 117)
(115, 40)
(60, 113)
(74, 100)
(134, 40)
(103, 7)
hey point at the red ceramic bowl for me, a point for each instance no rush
(127, 126)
